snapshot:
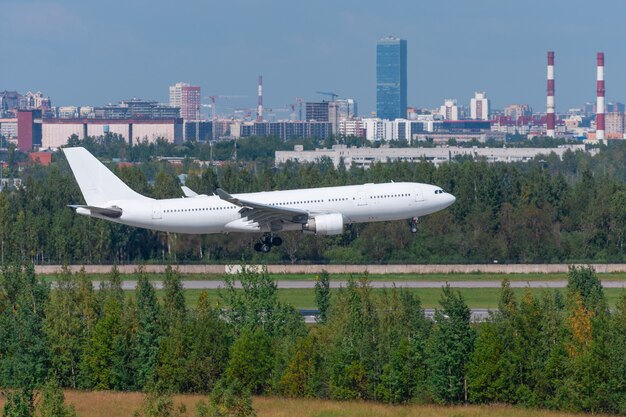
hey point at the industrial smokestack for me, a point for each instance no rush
(259, 110)
(550, 117)
(600, 98)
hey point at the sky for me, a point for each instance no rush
(97, 52)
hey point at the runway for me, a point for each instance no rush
(301, 284)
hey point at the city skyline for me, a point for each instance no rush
(90, 54)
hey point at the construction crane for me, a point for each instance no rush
(213, 103)
(213, 107)
(332, 95)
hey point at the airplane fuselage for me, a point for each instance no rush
(212, 214)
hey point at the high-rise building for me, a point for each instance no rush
(187, 98)
(479, 106)
(391, 78)
(515, 111)
(449, 110)
(347, 108)
(614, 125)
(317, 111)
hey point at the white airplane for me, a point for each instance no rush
(323, 211)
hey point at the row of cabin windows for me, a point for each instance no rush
(271, 204)
(200, 209)
(280, 204)
(390, 196)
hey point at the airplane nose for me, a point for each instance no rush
(450, 199)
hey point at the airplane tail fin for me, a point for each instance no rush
(97, 183)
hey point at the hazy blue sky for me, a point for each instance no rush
(93, 52)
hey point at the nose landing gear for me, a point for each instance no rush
(266, 242)
(413, 224)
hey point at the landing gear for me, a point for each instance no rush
(413, 223)
(266, 242)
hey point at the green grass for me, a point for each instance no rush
(474, 297)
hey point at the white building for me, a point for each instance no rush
(56, 132)
(398, 129)
(67, 112)
(347, 108)
(365, 157)
(479, 106)
(187, 98)
(449, 110)
(352, 127)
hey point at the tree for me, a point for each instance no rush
(53, 402)
(19, 403)
(149, 331)
(491, 371)
(208, 349)
(298, 378)
(174, 300)
(449, 349)
(64, 330)
(353, 358)
(322, 295)
(257, 305)
(100, 355)
(24, 356)
(251, 360)
(228, 400)
(583, 281)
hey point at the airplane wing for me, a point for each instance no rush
(263, 213)
(112, 212)
(188, 192)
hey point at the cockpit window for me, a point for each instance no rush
(438, 191)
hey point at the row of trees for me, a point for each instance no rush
(556, 351)
(549, 210)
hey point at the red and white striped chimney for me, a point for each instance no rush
(600, 98)
(550, 117)
(259, 110)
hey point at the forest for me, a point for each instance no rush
(561, 351)
(543, 211)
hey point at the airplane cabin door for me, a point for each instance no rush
(156, 212)
(361, 198)
(419, 194)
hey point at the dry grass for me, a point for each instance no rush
(118, 404)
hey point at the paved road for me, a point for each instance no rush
(212, 285)
(478, 314)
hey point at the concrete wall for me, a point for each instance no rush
(347, 269)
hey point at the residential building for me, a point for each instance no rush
(479, 106)
(187, 98)
(391, 78)
(284, 130)
(449, 110)
(614, 124)
(515, 111)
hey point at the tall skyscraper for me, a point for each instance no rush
(187, 97)
(391, 84)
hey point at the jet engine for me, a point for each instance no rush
(325, 224)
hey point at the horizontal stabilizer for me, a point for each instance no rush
(112, 212)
